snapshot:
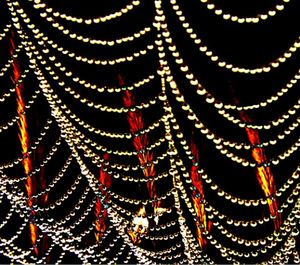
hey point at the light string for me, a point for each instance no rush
(221, 63)
(253, 223)
(13, 56)
(42, 40)
(5, 242)
(187, 237)
(50, 18)
(12, 90)
(210, 99)
(220, 142)
(7, 218)
(241, 241)
(38, 4)
(254, 253)
(234, 18)
(239, 222)
(237, 200)
(31, 148)
(141, 252)
(5, 30)
(82, 82)
(55, 180)
(198, 124)
(43, 87)
(15, 118)
(220, 108)
(135, 168)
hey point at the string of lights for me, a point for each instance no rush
(234, 18)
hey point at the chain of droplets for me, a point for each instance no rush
(215, 187)
(90, 104)
(15, 118)
(209, 98)
(50, 16)
(216, 214)
(241, 241)
(5, 242)
(97, 160)
(38, 4)
(199, 125)
(6, 95)
(234, 18)
(187, 237)
(31, 149)
(121, 225)
(41, 39)
(101, 148)
(7, 218)
(110, 151)
(220, 142)
(14, 56)
(59, 118)
(55, 180)
(82, 82)
(186, 195)
(253, 223)
(103, 133)
(214, 58)
(65, 108)
(284, 230)
(5, 30)
(282, 256)
(292, 111)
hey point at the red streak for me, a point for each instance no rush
(198, 198)
(100, 210)
(140, 142)
(30, 184)
(263, 173)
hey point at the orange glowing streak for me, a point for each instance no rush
(263, 173)
(24, 140)
(140, 226)
(100, 223)
(140, 142)
(198, 196)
